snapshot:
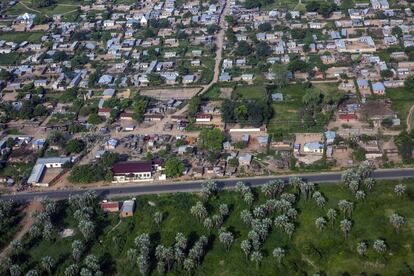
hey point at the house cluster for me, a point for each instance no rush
(348, 44)
(134, 44)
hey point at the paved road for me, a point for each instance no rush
(191, 186)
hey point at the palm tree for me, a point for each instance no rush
(397, 221)
(246, 246)
(248, 198)
(331, 214)
(143, 264)
(288, 197)
(246, 217)
(380, 246)
(180, 241)
(92, 262)
(364, 170)
(208, 188)
(281, 220)
(158, 217)
(227, 239)
(346, 207)
(16, 247)
(259, 212)
(15, 270)
(292, 213)
(289, 229)
(77, 249)
(348, 176)
(256, 257)
(346, 225)
(279, 254)
(142, 242)
(217, 220)
(161, 267)
(242, 188)
(72, 270)
(224, 210)
(360, 195)
(189, 265)
(295, 182)
(353, 186)
(320, 223)
(199, 211)
(48, 231)
(87, 228)
(369, 183)
(132, 254)
(362, 248)
(320, 201)
(208, 224)
(32, 272)
(400, 190)
(85, 272)
(47, 264)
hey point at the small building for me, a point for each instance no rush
(127, 209)
(203, 118)
(245, 159)
(330, 136)
(277, 97)
(313, 147)
(110, 206)
(378, 88)
(132, 171)
(104, 112)
(54, 162)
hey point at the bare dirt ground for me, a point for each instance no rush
(166, 94)
(26, 223)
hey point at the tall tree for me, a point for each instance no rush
(279, 254)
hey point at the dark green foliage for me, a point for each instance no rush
(246, 112)
(174, 167)
(405, 144)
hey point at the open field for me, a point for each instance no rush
(252, 92)
(166, 94)
(18, 37)
(308, 251)
(288, 117)
(402, 100)
(61, 7)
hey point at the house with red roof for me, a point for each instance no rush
(348, 117)
(110, 206)
(104, 112)
(132, 171)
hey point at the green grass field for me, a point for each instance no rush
(308, 251)
(33, 37)
(288, 117)
(251, 92)
(61, 7)
(402, 100)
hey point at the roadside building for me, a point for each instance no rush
(128, 208)
(132, 171)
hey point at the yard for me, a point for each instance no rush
(33, 37)
(307, 252)
(402, 100)
(252, 92)
(288, 113)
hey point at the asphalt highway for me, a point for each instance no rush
(192, 186)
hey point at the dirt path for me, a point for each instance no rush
(409, 118)
(26, 223)
(29, 8)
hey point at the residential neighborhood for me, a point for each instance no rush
(219, 137)
(145, 82)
